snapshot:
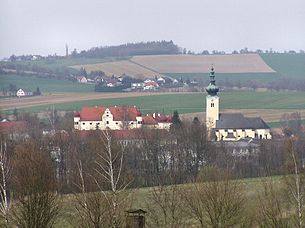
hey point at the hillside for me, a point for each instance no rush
(151, 65)
(119, 68)
(239, 63)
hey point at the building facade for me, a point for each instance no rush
(118, 118)
(233, 126)
(24, 93)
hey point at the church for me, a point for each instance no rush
(233, 126)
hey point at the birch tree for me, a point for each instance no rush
(91, 207)
(5, 169)
(295, 182)
(109, 167)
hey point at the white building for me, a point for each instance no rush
(233, 126)
(24, 93)
(82, 79)
(117, 118)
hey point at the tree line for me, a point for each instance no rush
(193, 180)
(130, 49)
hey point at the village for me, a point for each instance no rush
(152, 114)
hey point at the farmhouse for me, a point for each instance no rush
(24, 93)
(231, 127)
(118, 118)
(82, 79)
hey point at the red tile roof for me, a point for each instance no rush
(124, 113)
(9, 126)
(92, 113)
(163, 118)
(149, 120)
(119, 113)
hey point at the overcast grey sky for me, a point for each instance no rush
(44, 26)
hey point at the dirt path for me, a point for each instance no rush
(56, 98)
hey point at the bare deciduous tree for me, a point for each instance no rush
(165, 207)
(5, 169)
(216, 203)
(295, 182)
(92, 208)
(106, 207)
(270, 207)
(109, 167)
(34, 183)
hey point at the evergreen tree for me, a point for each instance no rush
(15, 113)
(176, 122)
(196, 121)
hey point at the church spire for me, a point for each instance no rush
(212, 89)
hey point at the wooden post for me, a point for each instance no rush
(135, 218)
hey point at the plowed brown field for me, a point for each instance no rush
(239, 63)
(120, 67)
(152, 65)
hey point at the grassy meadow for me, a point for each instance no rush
(141, 198)
(290, 66)
(54, 64)
(45, 85)
(194, 102)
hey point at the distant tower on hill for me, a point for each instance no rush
(212, 102)
(67, 50)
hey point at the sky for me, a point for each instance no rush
(45, 26)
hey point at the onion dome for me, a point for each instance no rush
(212, 89)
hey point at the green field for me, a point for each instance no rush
(45, 85)
(58, 64)
(227, 77)
(141, 198)
(195, 102)
(286, 66)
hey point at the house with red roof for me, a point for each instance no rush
(157, 121)
(114, 118)
(150, 85)
(14, 129)
(118, 118)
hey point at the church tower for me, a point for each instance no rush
(212, 102)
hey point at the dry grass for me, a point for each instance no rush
(120, 67)
(148, 66)
(241, 63)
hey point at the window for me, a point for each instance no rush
(139, 122)
(76, 123)
(90, 123)
(116, 123)
(212, 105)
(98, 123)
(131, 122)
(107, 115)
(83, 123)
(107, 122)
